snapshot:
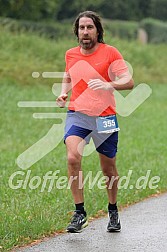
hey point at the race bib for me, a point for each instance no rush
(107, 124)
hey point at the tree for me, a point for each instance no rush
(29, 9)
(65, 9)
(69, 9)
(158, 9)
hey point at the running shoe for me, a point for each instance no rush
(114, 224)
(78, 222)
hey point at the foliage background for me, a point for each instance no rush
(58, 10)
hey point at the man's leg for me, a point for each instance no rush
(74, 167)
(106, 145)
(74, 158)
(109, 169)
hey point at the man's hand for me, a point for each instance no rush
(96, 84)
(61, 100)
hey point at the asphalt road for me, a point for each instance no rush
(144, 228)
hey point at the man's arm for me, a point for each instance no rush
(123, 82)
(66, 87)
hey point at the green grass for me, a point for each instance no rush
(22, 54)
(26, 214)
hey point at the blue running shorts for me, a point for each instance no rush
(84, 126)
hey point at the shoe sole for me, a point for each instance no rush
(77, 231)
(113, 230)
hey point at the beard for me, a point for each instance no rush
(89, 44)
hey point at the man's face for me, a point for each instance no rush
(87, 33)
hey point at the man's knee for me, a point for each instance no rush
(109, 168)
(110, 171)
(73, 160)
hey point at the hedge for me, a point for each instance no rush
(50, 30)
(155, 29)
(121, 29)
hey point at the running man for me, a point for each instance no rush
(93, 71)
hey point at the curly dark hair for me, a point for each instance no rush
(97, 21)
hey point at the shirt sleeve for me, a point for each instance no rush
(118, 65)
(66, 74)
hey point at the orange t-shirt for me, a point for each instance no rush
(105, 63)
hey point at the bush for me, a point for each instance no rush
(50, 30)
(121, 29)
(54, 30)
(156, 30)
